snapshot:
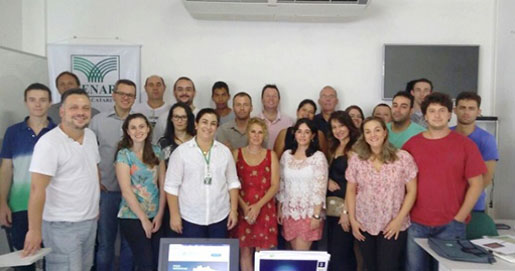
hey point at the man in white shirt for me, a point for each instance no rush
(64, 197)
(155, 105)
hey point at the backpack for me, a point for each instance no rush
(461, 250)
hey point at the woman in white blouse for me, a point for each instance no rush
(202, 184)
(302, 188)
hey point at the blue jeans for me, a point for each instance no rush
(107, 232)
(72, 244)
(417, 258)
(216, 230)
(16, 234)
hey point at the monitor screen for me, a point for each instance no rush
(451, 68)
(282, 260)
(183, 254)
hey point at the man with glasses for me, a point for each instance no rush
(108, 128)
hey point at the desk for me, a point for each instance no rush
(448, 265)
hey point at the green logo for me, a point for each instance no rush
(95, 72)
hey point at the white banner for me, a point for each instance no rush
(98, 68)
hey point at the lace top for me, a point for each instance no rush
(303, 184)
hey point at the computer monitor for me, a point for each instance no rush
(198, 254)
(287, 260)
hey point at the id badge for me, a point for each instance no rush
(207, 180)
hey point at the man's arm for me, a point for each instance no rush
(39, 183)
(489, 175)
(473, 192)
(6, 174)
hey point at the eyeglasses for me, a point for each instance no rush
(177, 117)
(125, 95)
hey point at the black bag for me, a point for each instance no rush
(461, 250)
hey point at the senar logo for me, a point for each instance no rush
(95, 72)
(98, 74)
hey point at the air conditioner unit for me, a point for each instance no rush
(275, 10)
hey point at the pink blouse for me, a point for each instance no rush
(380, 194)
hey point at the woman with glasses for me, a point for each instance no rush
(180, 127)
(381, 189)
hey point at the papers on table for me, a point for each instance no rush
(15, 259)
(502, 246)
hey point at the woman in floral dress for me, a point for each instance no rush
(258, 171)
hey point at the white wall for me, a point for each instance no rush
(505, 98)
(299, 57)
(34, 26)
(10, 24)
(17, 71)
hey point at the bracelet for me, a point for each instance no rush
(316, 216)
(345, 212)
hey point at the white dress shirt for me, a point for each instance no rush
(200, 203)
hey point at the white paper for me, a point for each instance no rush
(504, 244)
(15, 259)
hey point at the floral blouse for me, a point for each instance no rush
(143, 183)
(380, 193)
(303, 184)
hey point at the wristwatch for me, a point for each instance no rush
(316, 216)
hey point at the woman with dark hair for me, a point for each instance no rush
(202, 184)
(381, 189)
(302, 188)
(140, 172)
(284, 141)
(180, 127)
(342, 135)
(356, 114)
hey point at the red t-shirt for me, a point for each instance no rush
(444, 165)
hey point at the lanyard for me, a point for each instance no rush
(207, 158)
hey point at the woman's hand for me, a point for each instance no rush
(279, 214)
(253, 213)
(156, 223)
(356, 230)
(232, 220)
(315, 223)
(392, 229)
(147, 227)
(333, 186)
(176, 224)
(344, 222)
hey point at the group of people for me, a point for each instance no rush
(158, 170)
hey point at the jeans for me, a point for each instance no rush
(72, 244)
(16, 234)
(146, 251)
(417, 258)
(107, 232)
(216, 230)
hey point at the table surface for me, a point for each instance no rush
(446, 264)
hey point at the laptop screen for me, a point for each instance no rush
(182, 254)
(277, 260)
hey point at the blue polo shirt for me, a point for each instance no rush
(18, 145)
(488, 148)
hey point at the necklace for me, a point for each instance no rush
(253, 152)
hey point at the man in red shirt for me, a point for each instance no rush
(449, 180)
